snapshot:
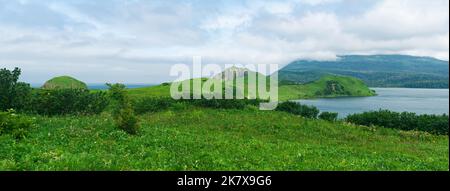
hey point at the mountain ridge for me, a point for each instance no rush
(375, 70)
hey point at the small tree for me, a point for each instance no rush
(123, 113)
(13, 94)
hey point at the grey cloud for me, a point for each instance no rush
(138, 41)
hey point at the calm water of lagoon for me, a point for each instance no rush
(421, 101)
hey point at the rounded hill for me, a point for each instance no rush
(64, 82)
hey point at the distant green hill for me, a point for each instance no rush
(374, 70)
(64, 82)
(326, 86)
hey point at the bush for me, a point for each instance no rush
(67, 101)
(328, 116)
(224, 103)
(155, 104)
(123, 113)
(435, 124)
(127, 121)
(13, 94)
(150, 104)
(298, 109)
(13, 124)
(95, 103)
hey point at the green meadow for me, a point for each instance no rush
(185, 136)
(189, 138)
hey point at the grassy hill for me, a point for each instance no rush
(326, 86)
(64, 82)
(374, 70)
(213, 139)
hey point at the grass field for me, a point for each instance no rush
(188, 138)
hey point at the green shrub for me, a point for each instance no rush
(435, 124)
(67, 101)
(14, 124)
(151, 104)
(123, 113)
(13, 94)
(224, 103)
(328, 116)
(95, 103)
(155, 104)
(127, 121)
(298, 109)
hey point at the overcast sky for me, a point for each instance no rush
(133, 41)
